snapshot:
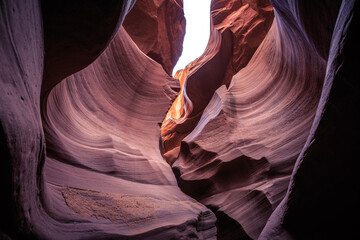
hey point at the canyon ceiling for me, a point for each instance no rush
(255, 139)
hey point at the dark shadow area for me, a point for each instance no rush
(228, 228)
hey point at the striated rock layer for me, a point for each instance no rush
(102, 175)
(237, 154)
(323, 193)
(107, 147)
(255, 139)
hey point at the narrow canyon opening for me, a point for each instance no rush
(197, 32)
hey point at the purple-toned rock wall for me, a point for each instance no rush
(264, 145)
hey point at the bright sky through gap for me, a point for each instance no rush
(197, 14)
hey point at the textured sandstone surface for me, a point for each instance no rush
(158, 28)
(256, 139)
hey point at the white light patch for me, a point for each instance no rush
(197, 14)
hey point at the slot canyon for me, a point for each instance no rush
(254, 139)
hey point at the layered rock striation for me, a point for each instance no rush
(255, 139)
(83, 163)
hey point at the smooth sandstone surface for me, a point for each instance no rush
(256, 139)
(108, 145)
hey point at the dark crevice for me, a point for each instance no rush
(227, 227)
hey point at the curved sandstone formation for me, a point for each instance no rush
(99, 179)
(116, 149)
(255, 139)
(323, 188)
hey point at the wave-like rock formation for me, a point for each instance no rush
(256, 139)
